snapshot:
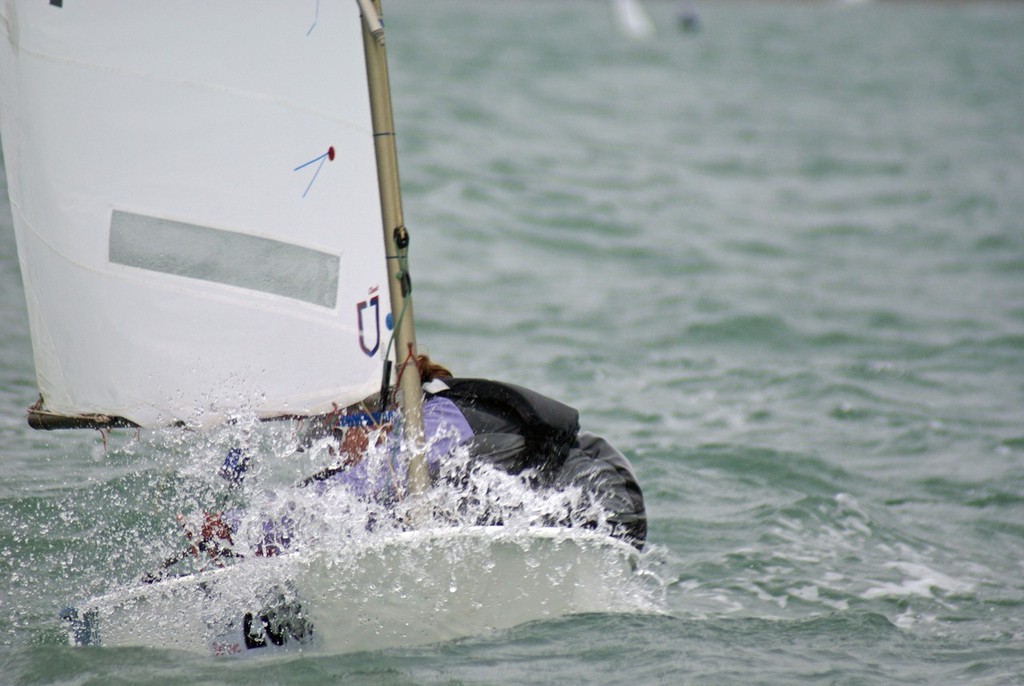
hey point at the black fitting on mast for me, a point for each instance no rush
(401, 238)
(406, 283)
(384, 399)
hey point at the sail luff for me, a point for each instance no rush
(396, 242)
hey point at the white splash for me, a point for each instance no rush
(921, 581)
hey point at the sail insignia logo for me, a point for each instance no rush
(363, 314)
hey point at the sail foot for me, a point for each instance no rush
(42, 419)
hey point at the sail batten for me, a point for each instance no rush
(196, 207)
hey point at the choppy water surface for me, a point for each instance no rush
(780, 262)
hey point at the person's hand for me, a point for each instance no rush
(353, 445)
(214, 537)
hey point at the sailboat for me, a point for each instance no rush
(632, 19)
(199, 191)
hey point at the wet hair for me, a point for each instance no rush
(430, 370)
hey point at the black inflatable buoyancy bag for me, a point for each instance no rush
(500, 413)
(606, 476)
(516, 428)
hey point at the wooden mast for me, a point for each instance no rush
(396, 242)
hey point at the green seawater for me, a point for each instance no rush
(779, 262)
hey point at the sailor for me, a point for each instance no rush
(511, 428)
(517, 431)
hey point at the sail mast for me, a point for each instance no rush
(396, 242)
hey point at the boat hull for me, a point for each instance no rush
(410, 588)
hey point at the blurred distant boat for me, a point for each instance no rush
(687, 16)
(632, 19)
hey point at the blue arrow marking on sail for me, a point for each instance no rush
(329, 155)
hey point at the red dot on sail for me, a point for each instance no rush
(330, 153)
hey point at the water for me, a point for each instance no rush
(779, 262)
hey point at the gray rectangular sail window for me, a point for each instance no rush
(228, 257)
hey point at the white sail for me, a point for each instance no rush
(194, 193)
(632, 18)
